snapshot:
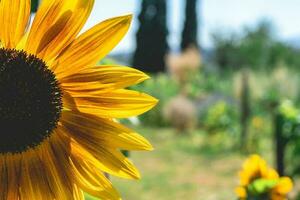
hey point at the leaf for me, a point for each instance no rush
(261, 186)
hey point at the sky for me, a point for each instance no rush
(214, 15)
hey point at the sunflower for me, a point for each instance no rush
(259, 181)
(255, 168)
(281, 189)
(58, 109)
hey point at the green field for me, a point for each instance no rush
(194, 166)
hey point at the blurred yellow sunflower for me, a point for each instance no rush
(258, 180)
(57, 108)
(255, 168)
(281, 189)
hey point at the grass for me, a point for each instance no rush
(195, 166)
(186, 167)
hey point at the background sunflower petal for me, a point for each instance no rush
(14, 18)
(92, 46)
(284, 186)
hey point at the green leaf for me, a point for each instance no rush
(261, 186)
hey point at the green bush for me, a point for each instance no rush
(220, 117)
(291, 135)
(163, 88)
(203, 83)
(255, 47)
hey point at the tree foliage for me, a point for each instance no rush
(151, 37)
(257, 48)
(34, 5)
(189, 33)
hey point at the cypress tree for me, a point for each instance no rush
(151, 37)
(34, 5)
(189, 33)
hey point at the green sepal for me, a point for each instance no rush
(261, 186)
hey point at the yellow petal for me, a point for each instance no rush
(77, 193)
(102, 132)
(284, 186)
(33, 179)
(22, 42)
(271, 174)
(254, 167)
(10, 166)
(3, 178)
(68, 102)
(116, 104)
(92, 180)
(14, 18)
(105, 159)
(92, 46)
(54, 157)
(102, 79)
(56, 25)
(241, 192)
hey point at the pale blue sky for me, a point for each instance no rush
(214, 15)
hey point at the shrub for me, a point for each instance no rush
(163, 88)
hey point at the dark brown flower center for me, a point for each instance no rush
(30, 101)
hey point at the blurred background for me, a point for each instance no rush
(226, 73)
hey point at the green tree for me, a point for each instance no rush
(189, 33)
(226, 50)
(34, 5)
(256, 47)
(151, 37)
